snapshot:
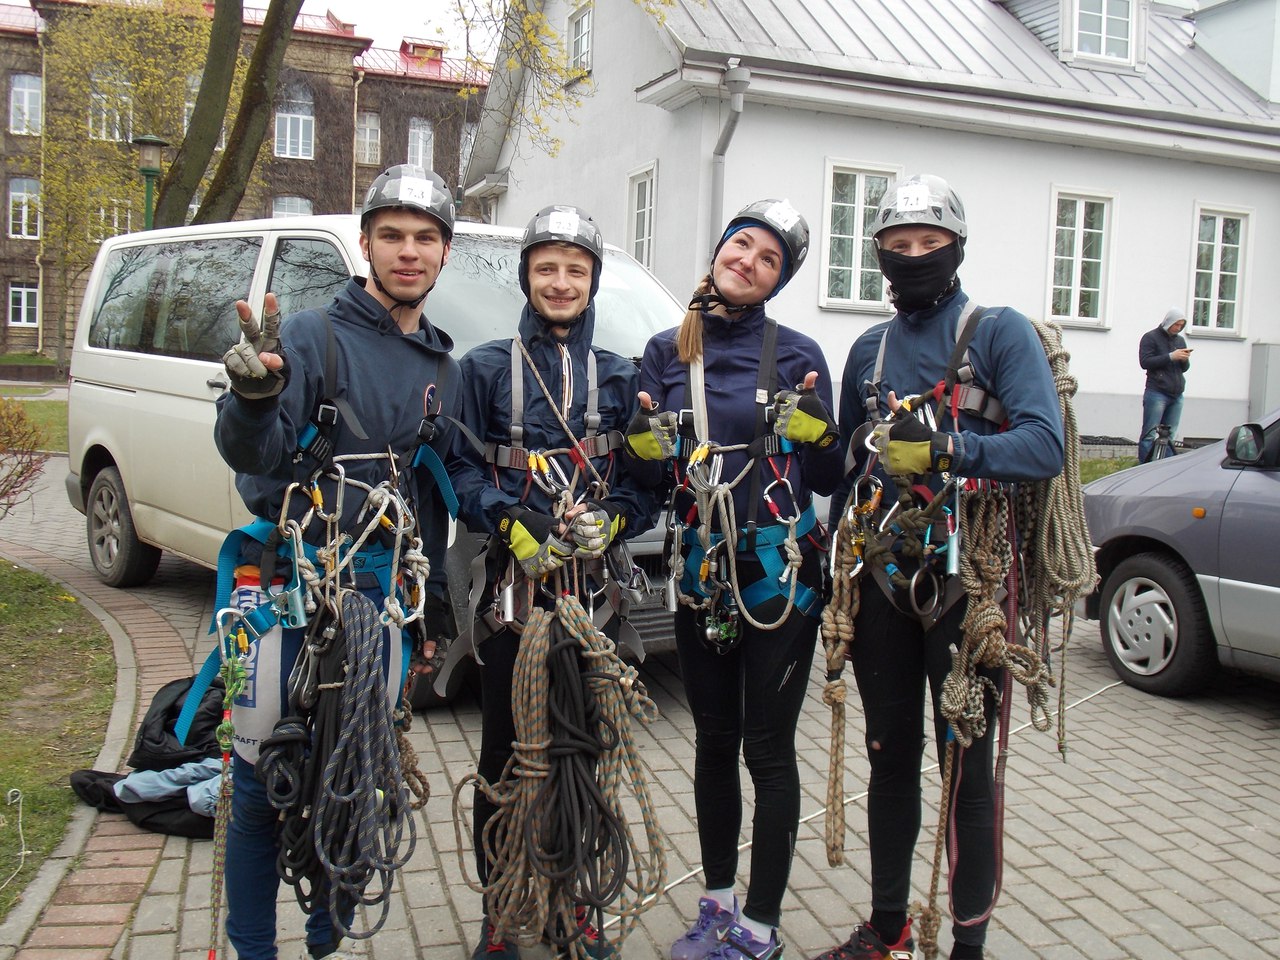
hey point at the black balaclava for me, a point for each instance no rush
(920, 282)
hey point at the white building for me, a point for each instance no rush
(1116, 158)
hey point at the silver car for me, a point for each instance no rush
(1188, 560)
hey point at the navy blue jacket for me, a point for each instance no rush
(731, 363)
(1008, 361)
(485, 491)
(1155, 354)
(383, 374)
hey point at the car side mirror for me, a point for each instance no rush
(1245, 444)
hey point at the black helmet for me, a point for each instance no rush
(920, 199)
(408, 186)
(563, 223)
(781, 219)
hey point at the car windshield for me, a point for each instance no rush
(478, 297)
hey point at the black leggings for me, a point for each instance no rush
(892, 655)
(749, 700)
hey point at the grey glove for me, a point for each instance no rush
(250, 377)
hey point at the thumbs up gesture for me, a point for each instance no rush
(801, 417)
(651, 435)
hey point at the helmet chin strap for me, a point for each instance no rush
(714, 298)
(377, 282)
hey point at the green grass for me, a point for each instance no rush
(1093, 469)
(51, 417)
(57, 683)
(12, 359)
(10, 391)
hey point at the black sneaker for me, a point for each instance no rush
(866, 945)
(490, 949)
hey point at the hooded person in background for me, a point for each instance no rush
(1164, 354)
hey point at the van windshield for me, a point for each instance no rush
(478, 297)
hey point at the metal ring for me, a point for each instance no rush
(935, 601)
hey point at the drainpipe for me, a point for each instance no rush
(355, 132)
(736, 81)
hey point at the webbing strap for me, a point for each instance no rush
(965, 331)
(427, 457)
(517, 394)
(195, 694)
(766, 387)
(767, 540)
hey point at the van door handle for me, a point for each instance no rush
(216, 383)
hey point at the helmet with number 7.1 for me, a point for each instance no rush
(920, 199)
(780, 218)
(408, 186)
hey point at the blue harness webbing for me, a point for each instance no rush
(767, 541)
(372, 559)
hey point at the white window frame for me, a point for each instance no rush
(296, 125)
(368, 137)
(110, 108)
(1134, 59)
(109, 219)
(1080, 196)
(579, 35)
(860, 170)
(469, 130)
(285, 207)
(640, 233)
(26, 105)
(28, 302)
(24, 200)
(422, 140)
(1215, 299)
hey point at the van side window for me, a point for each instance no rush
(174, 299)
(306, 273)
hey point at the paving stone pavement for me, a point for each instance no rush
(1158, 837)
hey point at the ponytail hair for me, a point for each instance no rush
(689, 337)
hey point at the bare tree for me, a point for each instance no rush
(21, 461)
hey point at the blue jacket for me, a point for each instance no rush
(1163, 372)
(731, 362)
(383, 375)
(485, 491)
(1008, 361)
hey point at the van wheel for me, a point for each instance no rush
(119, 557)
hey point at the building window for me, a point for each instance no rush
(851, 268)
(24, 305)
(110, 107)
(1215, 300)
(26, 105)
(114, 218)
(290, 207)
(469, 130)
(24, 208)
(368, 138)
(295, 124)
(1104, 28)
(421, 143)
(640, 188)
(1079, 257)
(580, 40)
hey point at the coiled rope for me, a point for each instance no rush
(559, 840)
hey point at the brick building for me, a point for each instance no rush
(344, 110)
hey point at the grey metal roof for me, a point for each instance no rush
(963, 44)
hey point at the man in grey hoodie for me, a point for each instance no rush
(1165, 356)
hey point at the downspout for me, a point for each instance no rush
(44, 113)
(736, 81)
(355, 131)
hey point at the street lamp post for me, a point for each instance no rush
(149, 148)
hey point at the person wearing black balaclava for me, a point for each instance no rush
(1005, 426)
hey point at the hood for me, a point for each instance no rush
(534, 328)
(360, 309)
(1172, 317)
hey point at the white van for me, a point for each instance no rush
(146, 367)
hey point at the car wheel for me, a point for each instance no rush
(121, 559)
(1155, 629)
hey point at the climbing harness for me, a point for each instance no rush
(336, 765)
(960, 542)
(704, 541)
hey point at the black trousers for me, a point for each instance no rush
(747, 702)
(892, 658)
(497, 731)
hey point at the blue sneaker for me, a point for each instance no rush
(707, 931)
(739, 944)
